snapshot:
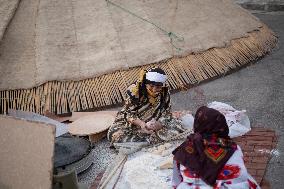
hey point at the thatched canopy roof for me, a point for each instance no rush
(85, 53)
(7, 10)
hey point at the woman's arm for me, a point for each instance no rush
(130, 113)
(176, 178)
(166, 114)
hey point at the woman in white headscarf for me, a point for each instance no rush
(146, 115)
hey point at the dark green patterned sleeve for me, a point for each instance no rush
(167, 110)
(131, 103)
(167, 119)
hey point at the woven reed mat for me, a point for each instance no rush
(7, 10)
(86, 57)
(257, 146)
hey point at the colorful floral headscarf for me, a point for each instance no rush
(207, 150)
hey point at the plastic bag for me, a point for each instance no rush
(238, 121)
(187, 121)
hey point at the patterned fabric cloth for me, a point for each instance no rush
(233, 175)
(207, 150)
(146, 109)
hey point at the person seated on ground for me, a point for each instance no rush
(209, 158)
(146, 115)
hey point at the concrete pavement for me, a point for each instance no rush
(263, 5)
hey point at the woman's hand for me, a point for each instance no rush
(142, 125)
(145, 129)
(154, 125)
(179, 114)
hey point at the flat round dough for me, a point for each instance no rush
(77, 115)
(91, 124)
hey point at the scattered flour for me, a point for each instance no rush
(273, 152)
(141, 172)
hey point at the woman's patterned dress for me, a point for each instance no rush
(145, 109)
